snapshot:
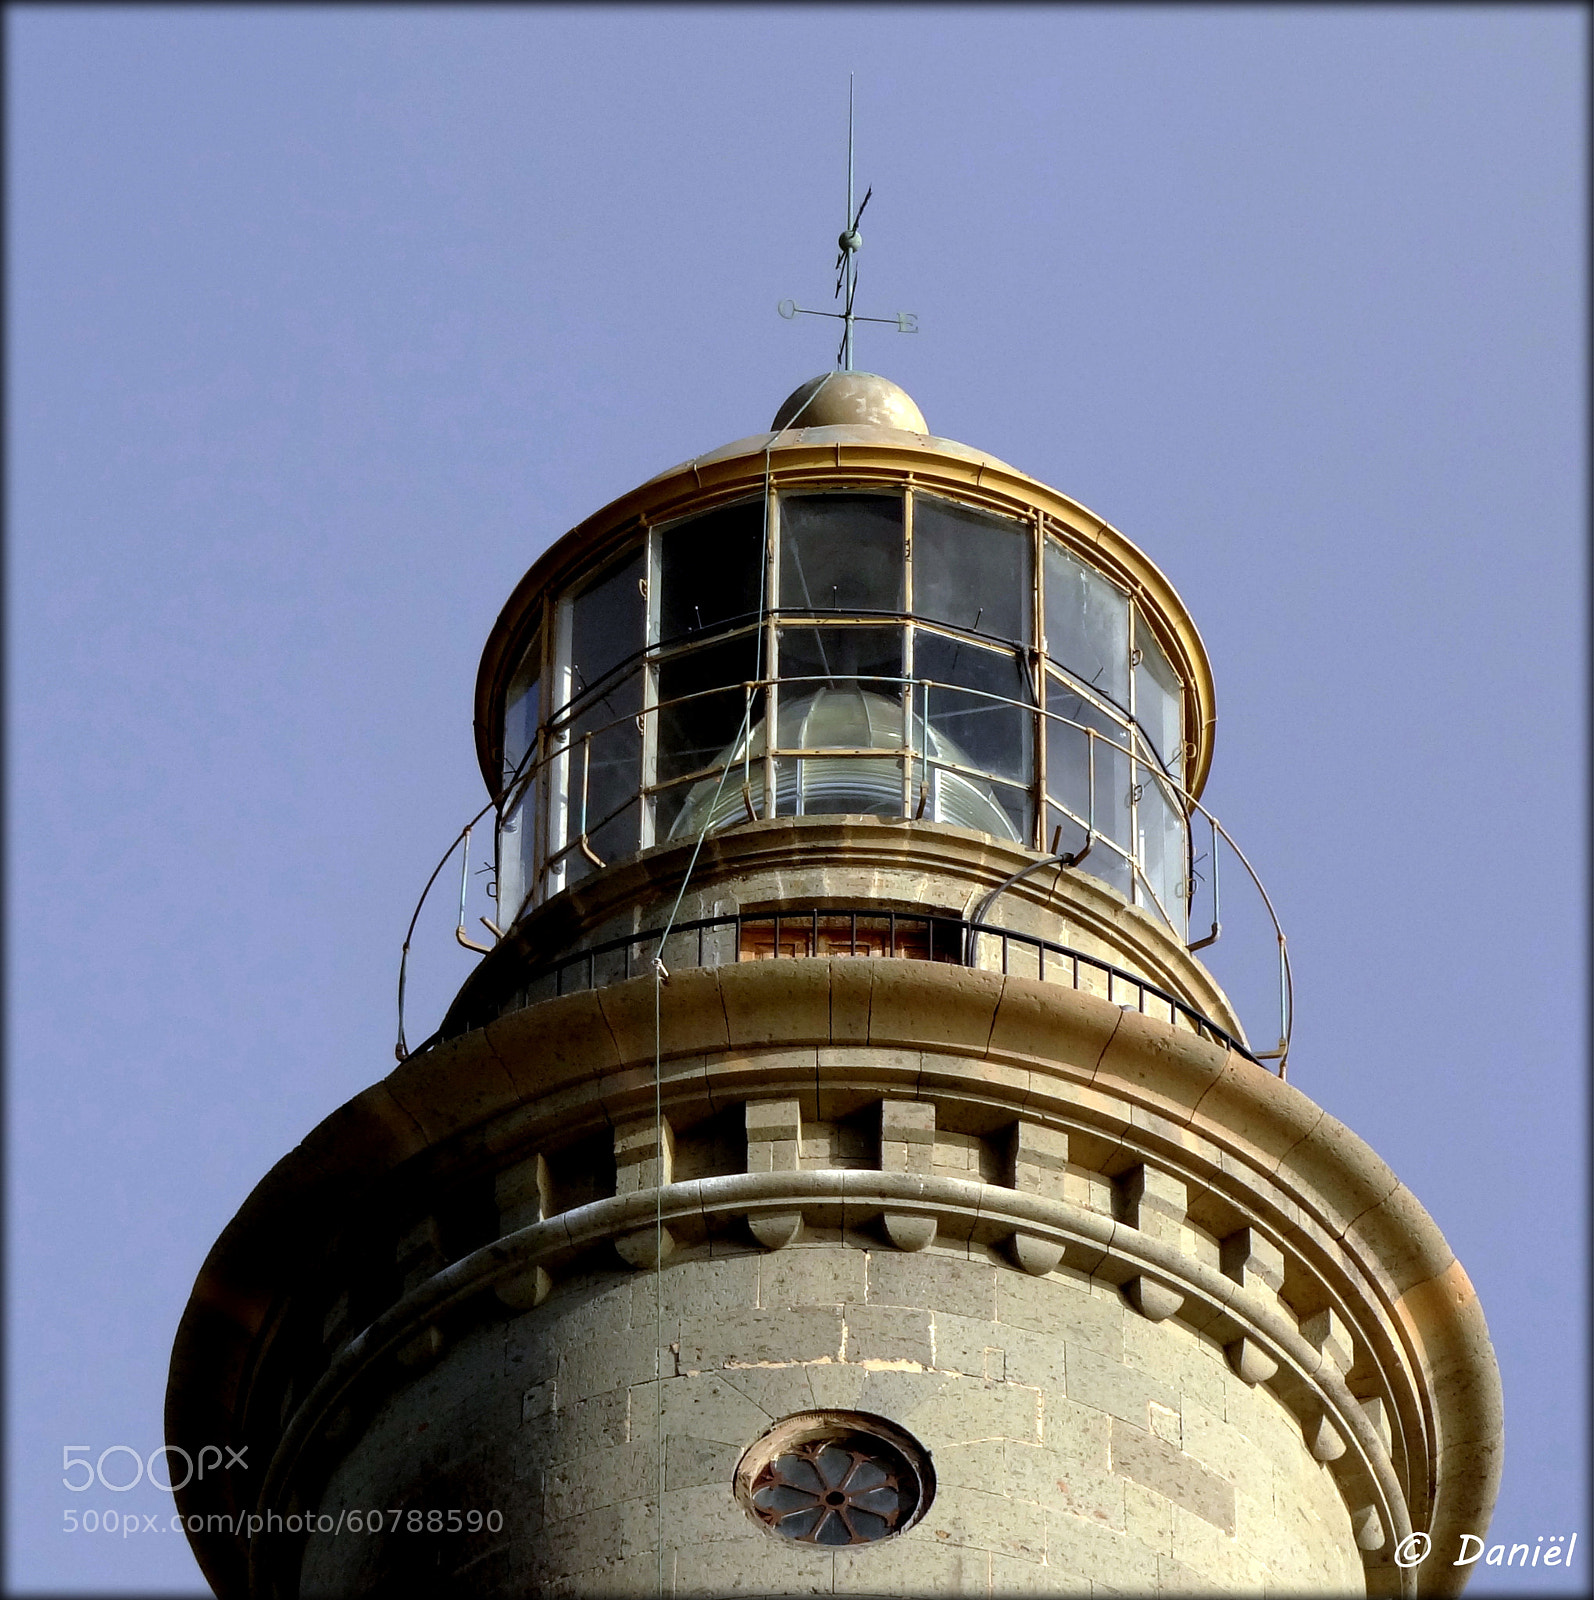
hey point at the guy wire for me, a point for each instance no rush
(658, 1033)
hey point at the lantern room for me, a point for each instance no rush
(845, 615)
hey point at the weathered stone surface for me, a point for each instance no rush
(895, 1334)
(1155, 1464)
(1332, 1339)
(1250, 1258)
(748, 1338)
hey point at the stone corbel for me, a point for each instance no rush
(774, 1144)
(907, 1145)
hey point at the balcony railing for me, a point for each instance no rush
(852, 932)
(1202, 901)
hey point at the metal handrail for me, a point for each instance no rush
(961, 937)
(530, 767)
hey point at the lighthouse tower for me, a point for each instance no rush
(840, 1174)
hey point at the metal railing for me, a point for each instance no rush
(524, 780)
(851, 932)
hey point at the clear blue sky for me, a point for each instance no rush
(322, 323)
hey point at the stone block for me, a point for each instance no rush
(639, 1162)
(932, 1005)
(539, 1400)
(1037, 1159)
(783, 1003)
(696, 1289)
(907, 1135)
(691, 1017)
(1077, 1433)
(1208, 1549)
(689, 1462)
(777, 1391)
(578, 1427)
(973, 1517)
(607, 1361)
(770, 1566)
(895, 1394)
(1043, 1021)
(1250, 1258)
(851, 993)
(1011, 1577)
(1147, 1061)
(1091, 1552)
(561, 1041)
(1107, 1385)
(592, 1539)
(599, 1478)
(1062, 1308)
(1148, 1517)
(747, 1338)
(1153, 1202)
(920, 1564)
(1378, 1414)
(968, 1345)
(968, 1409)
(1038, 1360)
(774, 1135)
(1175, 1577)
(979, 1465)
(523, 1193)
(698, 1406)
(888, 1334)
(1223, 1449)
(938, 1282)
(1071, 1480)
(1327, 1333)
(453, 1086)
(840, 1388)
(817, 1276)
(1155, 1464)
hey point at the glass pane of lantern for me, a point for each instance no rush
(605, 775)
(971, 570)
(1098, 794)
(1161, 842)
(1157, 702)
(1087, 624)
(711, 571)
(517, 842)
(1110, 865)
(607, 623)
(841, 552)
(693, 731)
(994, 735)
(522, 709)
(841, 656)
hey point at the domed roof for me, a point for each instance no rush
(836, 399)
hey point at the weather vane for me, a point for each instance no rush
(848, 246)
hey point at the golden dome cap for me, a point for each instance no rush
(839, 399)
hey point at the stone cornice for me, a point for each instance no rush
(1354, 1240)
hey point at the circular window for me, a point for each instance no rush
(835, 1478)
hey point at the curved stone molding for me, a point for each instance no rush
(1316, 1392)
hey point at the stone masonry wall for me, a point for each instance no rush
(1078, 1447)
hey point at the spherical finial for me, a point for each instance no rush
(841, 399)
(850, 241)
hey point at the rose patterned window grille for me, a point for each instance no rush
(834, 1479)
